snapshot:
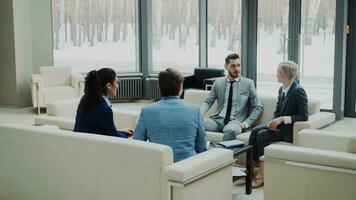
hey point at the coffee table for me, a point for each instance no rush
(249, 168)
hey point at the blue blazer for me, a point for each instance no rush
(98, 120)
(174, 123)
(295, 105)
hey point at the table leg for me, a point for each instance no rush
(249, 171)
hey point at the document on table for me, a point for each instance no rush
(238, 171)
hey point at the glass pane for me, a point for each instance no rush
(224, 30)
(93, 34)
(272, 34)
(175, 34)
(317, 49)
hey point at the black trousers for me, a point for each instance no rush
(261, 137)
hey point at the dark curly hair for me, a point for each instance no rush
(95, 86)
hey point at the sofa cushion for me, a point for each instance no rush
(51, 94)
(56, 76)
(269, 106)
(269, 102)
(197, 97)
(351, 145)
(63, 108)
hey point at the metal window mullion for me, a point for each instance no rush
(145, 41)
(249, 39)
(294, 27)
(203, 33)
(340, 58)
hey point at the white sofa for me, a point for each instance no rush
(55, 83)
(49, 163)
(316, 120)
(321, 167)
(62, 114)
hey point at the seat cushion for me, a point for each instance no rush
(218, 137)
(57, 93)
(63, 108)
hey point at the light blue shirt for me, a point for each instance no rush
(175, 123)
(107, 101)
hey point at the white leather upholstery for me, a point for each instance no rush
(316, 120)
(48, 163)
(63, 108)
(319, 168)
(55, 83)
(351, 145)
(62, 114)
(321, 139)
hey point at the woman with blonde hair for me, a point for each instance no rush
(292, 106)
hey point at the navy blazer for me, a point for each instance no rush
(98, 120)
(295, 105)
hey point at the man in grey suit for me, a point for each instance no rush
(238, 103)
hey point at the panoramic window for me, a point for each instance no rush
(272, 43)
(95, 33)
(175, 35)
(317, 49)
(224, 30)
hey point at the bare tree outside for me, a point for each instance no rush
(316, 46)
(89, 34)
(224, 30)
(175, 34)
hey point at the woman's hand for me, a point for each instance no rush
(129, 132)
(272, 125)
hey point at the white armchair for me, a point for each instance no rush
(321, 167)
(55, 83)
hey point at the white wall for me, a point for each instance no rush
(8, 88)
(28, 45)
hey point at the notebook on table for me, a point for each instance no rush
(232, 143)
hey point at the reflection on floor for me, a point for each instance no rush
(27, 115)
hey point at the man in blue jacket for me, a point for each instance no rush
(172, 121)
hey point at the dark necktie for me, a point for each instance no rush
(229, 104)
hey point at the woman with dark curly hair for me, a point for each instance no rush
(94, 113)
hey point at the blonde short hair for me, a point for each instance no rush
(288, 69)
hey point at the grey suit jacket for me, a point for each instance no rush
(249, 106)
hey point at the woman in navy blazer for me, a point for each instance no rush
(292, 106)
(94, 113)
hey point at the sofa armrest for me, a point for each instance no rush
(198, 166)
(37, 79)
(322, 139)
(125, 118)
(77, 82)
(36, 86)
(315, 121)
(311, 157)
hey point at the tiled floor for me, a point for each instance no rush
(27, 115)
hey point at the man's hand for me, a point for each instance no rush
(272, 125)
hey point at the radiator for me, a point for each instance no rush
(130, 89)
(153, 89)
